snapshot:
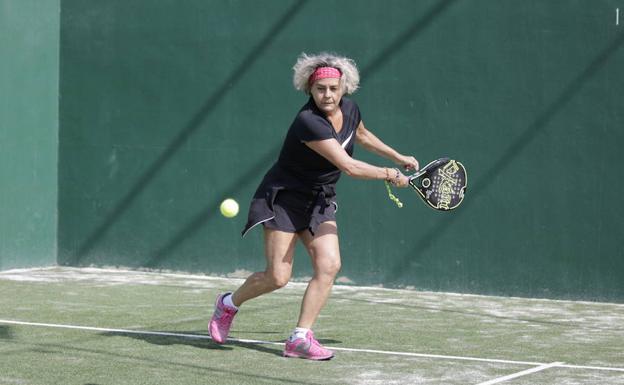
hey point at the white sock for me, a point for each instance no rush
(298, 333)
(227, 301)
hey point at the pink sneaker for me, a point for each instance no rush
(308, 348)
(221, 321)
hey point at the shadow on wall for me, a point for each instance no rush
(202, 115)
(191, 127)
(427, 239)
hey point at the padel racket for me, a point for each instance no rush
(441, 184)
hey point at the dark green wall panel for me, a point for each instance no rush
(169, 107)
(29, 71)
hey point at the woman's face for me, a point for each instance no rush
(327, 94)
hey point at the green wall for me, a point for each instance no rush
(169, 107)
(29, 86)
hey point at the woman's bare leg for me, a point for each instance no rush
(325, 255)
(279, 249)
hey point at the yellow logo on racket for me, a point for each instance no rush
(447, 183)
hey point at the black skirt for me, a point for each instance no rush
(292, 210)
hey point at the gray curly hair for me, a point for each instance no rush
(307, 64)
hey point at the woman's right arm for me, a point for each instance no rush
(331, 150)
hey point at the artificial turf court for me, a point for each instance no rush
(105, 326)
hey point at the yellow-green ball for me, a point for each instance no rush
(229, 208)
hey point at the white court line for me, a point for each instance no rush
(521, 374)
(355, 350)
(603, 368)
(423, 355)
(207, 337)
(123, 331)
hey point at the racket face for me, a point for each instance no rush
(441, 184)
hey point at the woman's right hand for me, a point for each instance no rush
(399, 180)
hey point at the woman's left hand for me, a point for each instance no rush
(409, 163)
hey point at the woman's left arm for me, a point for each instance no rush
(373, 144)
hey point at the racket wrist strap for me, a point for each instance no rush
(392, 196)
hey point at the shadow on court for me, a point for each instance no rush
(276, 350)
(202, 343)
(166, 340)
(5, 332)
(498, 166)
(114, 355)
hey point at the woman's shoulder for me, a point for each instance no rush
(351, 111)
(349, 104)
(309, 114)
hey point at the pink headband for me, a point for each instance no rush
(324, 73)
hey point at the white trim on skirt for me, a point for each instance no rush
(256, 224)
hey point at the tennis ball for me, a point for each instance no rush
(229, 208)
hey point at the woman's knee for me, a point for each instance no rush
(329, 267)
(280, 250)
(277, 279)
